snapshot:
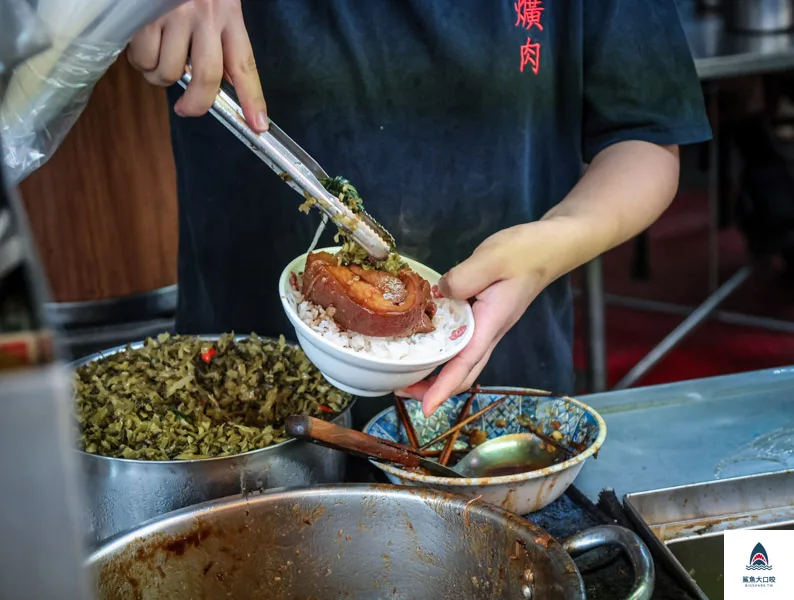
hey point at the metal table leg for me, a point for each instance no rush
(698, 316)
(716, 183)
(727, 317)
(595, 297)
(716, 186)
(596, 326)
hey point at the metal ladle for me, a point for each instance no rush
(507, 455)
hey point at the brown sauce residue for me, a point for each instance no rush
(524, 467)
(125, 577)
(178, 546)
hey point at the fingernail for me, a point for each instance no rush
(262, 122)
(402, 394)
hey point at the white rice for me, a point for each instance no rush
(449, 317)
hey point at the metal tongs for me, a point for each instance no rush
(299, 170)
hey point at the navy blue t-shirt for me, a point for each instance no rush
(454, 118)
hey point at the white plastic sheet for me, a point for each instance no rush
(48, 93)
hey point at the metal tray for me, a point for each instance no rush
(684, 526)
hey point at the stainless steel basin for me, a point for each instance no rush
(352, 542)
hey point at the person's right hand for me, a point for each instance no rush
(213, 33)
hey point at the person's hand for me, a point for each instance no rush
(510, 268)
(213, 33)
(503, 276)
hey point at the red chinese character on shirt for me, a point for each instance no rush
(530, 55)
(529, 13)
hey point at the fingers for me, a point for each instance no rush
(458, 375)
(174, 49)
(206, 57)
(217, 42)
(418, 390)
(143, 52)
(472, 276)
(490, 319)
(239, 62)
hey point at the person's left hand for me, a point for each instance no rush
(503, 276)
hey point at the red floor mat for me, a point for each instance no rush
(713, 349)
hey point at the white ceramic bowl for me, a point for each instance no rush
(356, 372)
(522, 493)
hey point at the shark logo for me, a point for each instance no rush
(759, 559)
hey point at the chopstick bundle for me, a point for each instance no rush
(446, 453)
(462, 424)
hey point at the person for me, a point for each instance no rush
(464, 125)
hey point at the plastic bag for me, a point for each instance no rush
(42, 107)
(47, 93)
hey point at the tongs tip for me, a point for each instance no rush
(299, 170)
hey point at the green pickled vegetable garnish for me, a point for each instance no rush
(351, 253)
(180, 397)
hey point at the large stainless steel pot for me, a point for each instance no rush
(123, 493)
(352, 541)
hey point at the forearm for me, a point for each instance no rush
(626, 188)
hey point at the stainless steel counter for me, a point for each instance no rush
(719, 53)
(677, 434)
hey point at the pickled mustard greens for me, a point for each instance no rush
(180, 398)
(345, 191)
(351, 253)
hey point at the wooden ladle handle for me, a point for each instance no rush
(347, 440)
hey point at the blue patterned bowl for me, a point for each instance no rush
(522, 493)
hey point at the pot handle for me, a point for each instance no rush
(637, 552)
